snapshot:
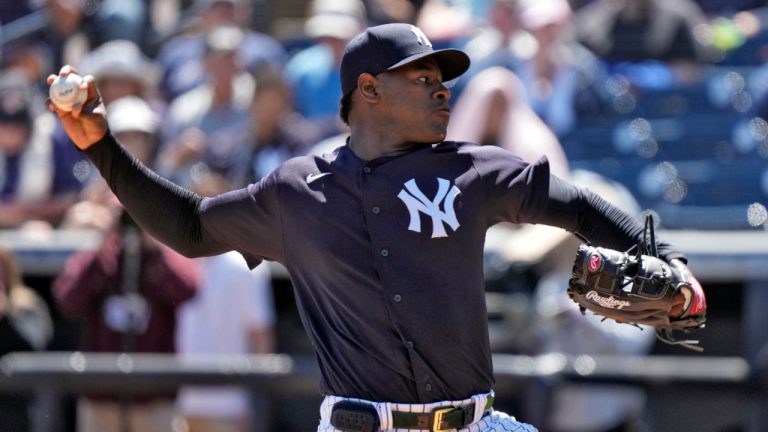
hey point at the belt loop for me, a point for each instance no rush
(480, 402)
(326, 407)
(385, 415)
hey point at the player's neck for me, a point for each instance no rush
(369, 146)
(372, 147)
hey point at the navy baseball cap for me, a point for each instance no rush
(385, 47)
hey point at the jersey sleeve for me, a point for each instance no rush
(516, 191)
(583, 212)
(248, 220)
(190, 224)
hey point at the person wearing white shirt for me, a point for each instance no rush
(233, 313)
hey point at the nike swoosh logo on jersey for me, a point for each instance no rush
(312, 177)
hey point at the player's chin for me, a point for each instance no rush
(432, 138)
(436, 133)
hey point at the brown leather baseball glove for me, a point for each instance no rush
(638, 289)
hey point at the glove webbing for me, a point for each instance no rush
(648, 247)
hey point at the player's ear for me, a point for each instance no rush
(367, 85)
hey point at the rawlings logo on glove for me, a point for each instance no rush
(609, 302)
(639, 289)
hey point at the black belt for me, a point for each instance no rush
(349, 416)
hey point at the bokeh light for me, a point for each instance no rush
(756, 214)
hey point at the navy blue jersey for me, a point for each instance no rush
(385, 256)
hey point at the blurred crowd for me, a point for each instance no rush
(213, 95)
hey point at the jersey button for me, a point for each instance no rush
(410, 344)
(384, 252)
(367, 170)
(428, 387)
(376, 210)
(397, 298)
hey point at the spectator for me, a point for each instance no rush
(63, 31)
(181, 58)
(46, 26)
(638, 30)
(500, 40)
(25, 325)
(126, 293)
(121, 69)
(493, 110)
(392, 11)
(37, 177)
(231, 314)
(313, 73)
(444, 23)
(277, 131)
(29, 55)
(120, 20)
(562, 77)
(208, 126)
(136, 125)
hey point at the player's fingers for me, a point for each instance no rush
(50, 79)
(51, 106)
(89, 85)
(93, 103)
(54, 109)
(78, 108)
(92, 99)
(67, 69)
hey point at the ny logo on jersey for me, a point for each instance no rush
(417, 202)
(422, 38)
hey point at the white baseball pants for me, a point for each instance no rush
(495, 421)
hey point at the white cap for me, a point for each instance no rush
(120, 58)
(539, 13)
(340, 19)
(224, 38)
(132, 114)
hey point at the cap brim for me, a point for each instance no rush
(452, 62)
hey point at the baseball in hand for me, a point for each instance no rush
(65, 92)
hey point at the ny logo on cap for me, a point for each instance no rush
(417, 203)
(420, 36)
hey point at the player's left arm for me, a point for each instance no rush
(594, 219)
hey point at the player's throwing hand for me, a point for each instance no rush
(85, 124)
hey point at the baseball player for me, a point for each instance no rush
(383, 238)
